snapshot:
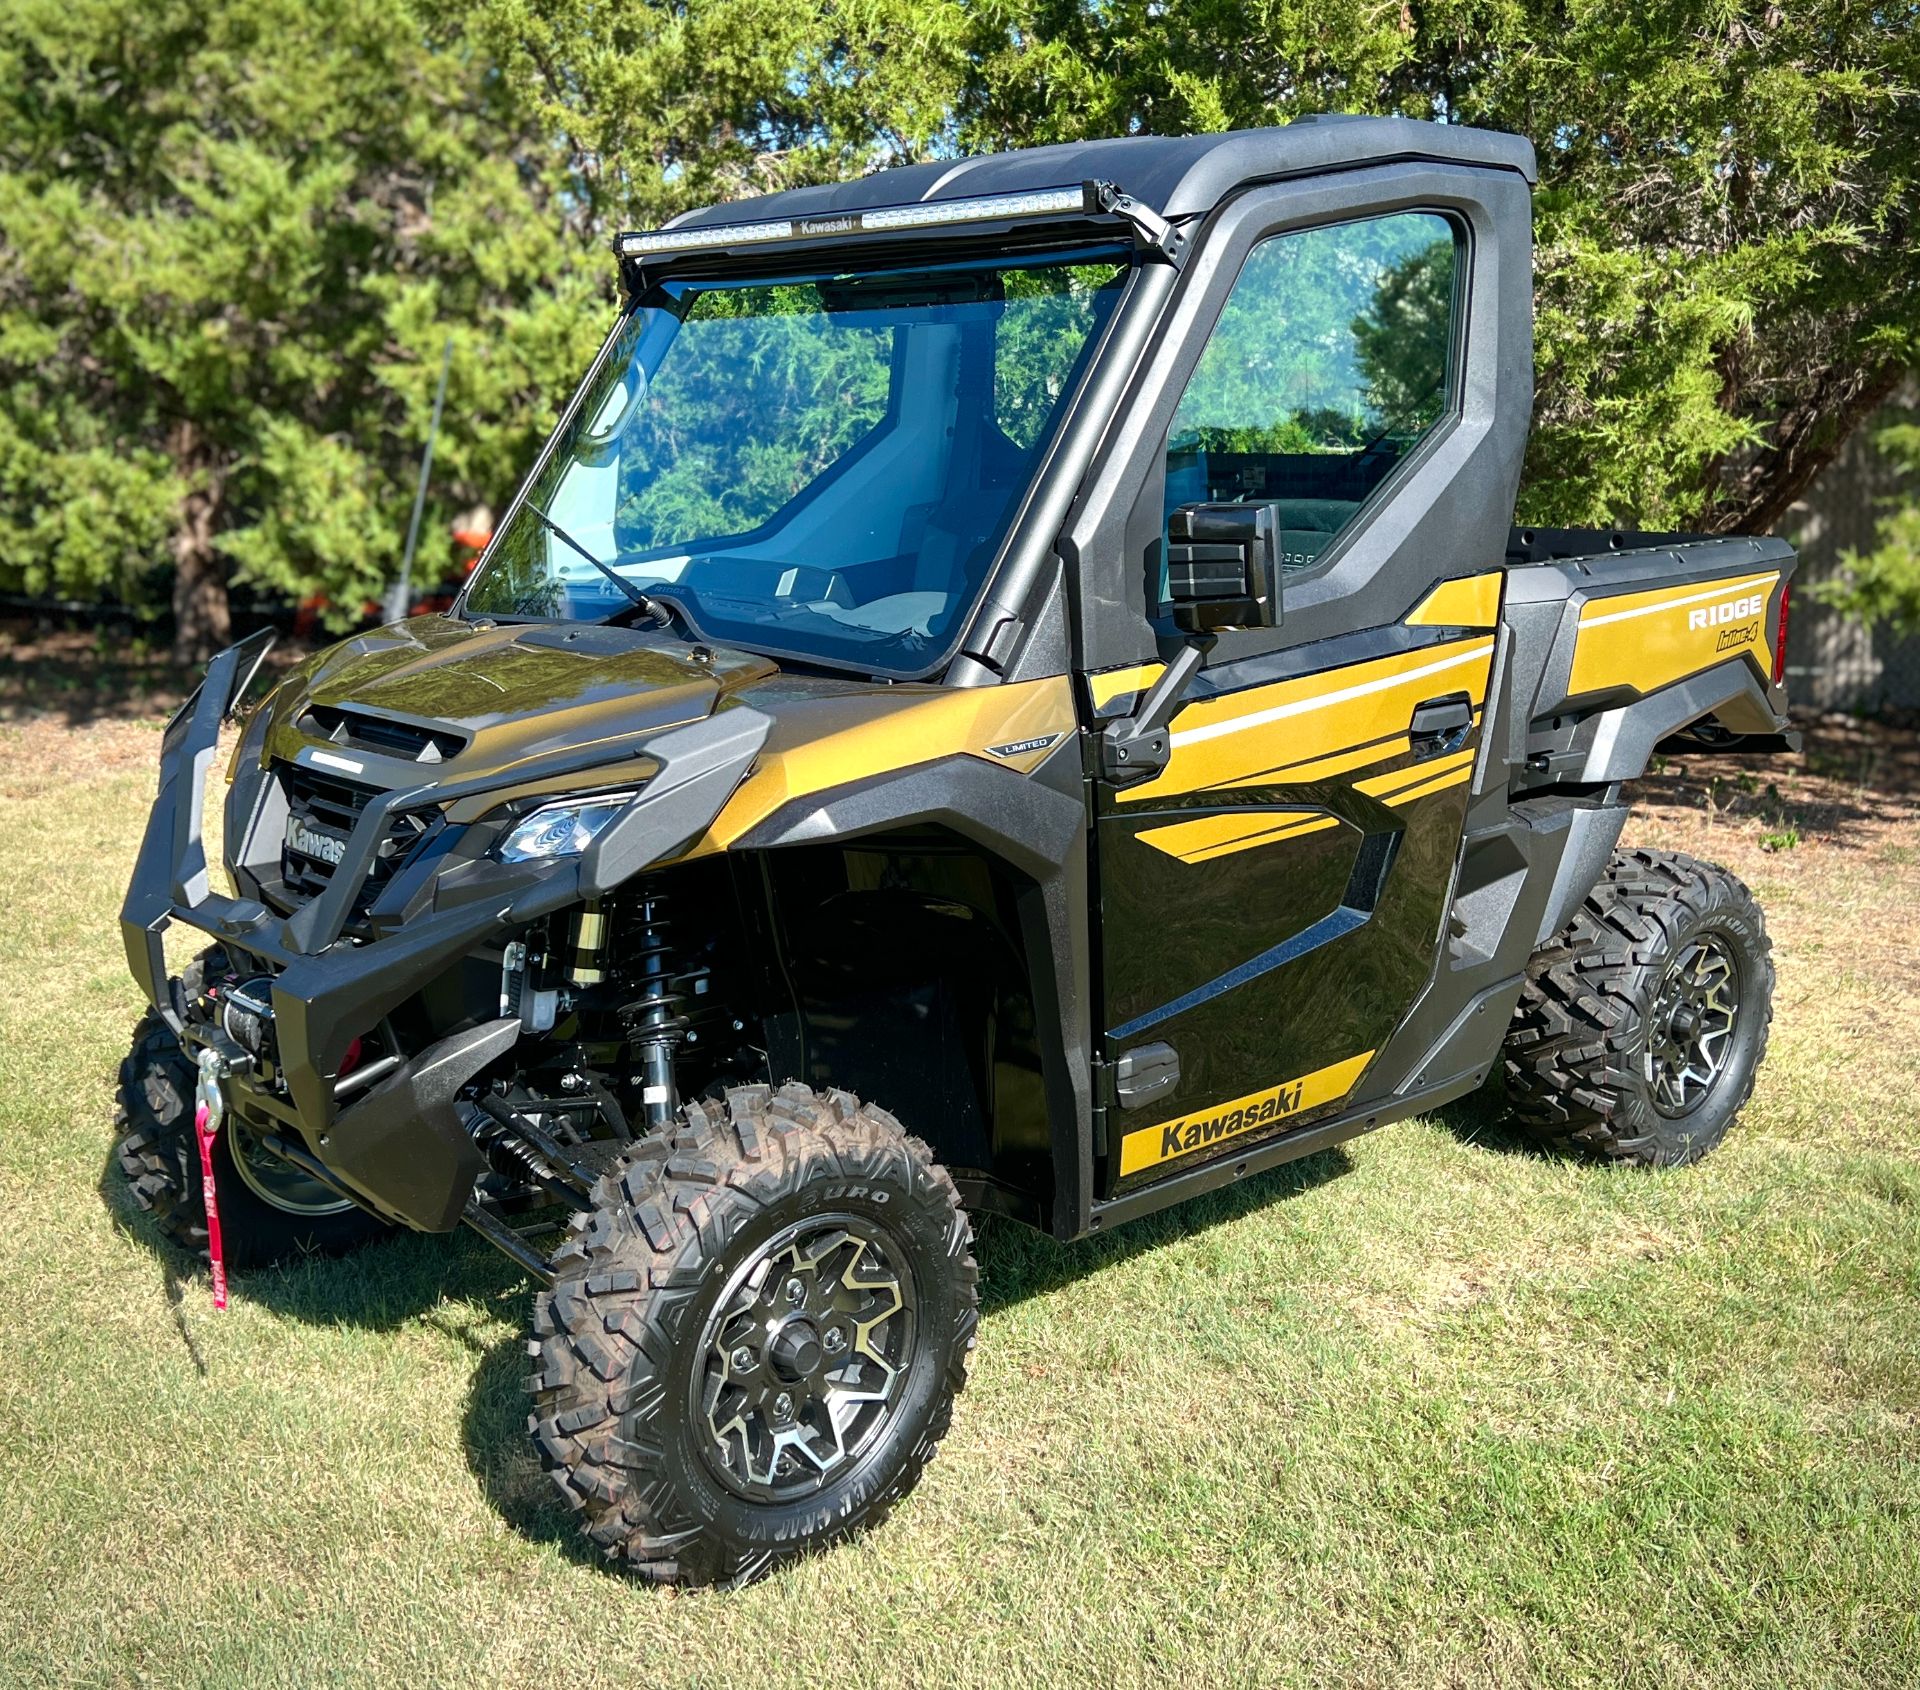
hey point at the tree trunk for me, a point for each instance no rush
(201, 624)
(1804, 439)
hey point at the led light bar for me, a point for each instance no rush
(1083, 197)
(679, 240)
(1041, 203)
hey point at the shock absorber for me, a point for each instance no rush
(655, 1018)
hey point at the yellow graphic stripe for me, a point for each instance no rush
(1420, 773)
(1205, 1129)
(838, 740)
(1321, 768)
(1319, 825)
(1114, 683)
(1473, 601)
(1647, 640)
(1229, 740)
(1459, 777)
(1207, 837)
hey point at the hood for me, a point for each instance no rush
(473, 700)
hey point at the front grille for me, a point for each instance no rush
(328, 807)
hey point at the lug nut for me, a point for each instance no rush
(796, 1292)
(743, 1360)
(783, 1407)
(833, 1340)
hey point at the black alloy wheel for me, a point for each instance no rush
(802, 1359)
(1696, 1008)
(755, 1334)
(1642, 1025)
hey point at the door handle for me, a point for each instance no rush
(1441, 725)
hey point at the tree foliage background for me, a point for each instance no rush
(234, 237)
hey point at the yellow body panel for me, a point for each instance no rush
(842, 740)
(1116, 683)
(1203, 1129)
(1473, 601)
(1268, 733)
(1642, 641)
(1207, 837)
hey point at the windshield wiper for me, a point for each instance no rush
(640, 601)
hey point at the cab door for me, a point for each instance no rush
(1271, 901)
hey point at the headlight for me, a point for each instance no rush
(561, 830)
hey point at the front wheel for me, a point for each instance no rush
(755, 1335)
(269, 1209)
(1641, 1027)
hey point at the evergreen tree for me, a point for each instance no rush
(1724, 227)
(232, 243)
(653, 109)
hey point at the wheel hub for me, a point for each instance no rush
(795, 1350)
(276, 1181)
(801, 1362)
(1690, 1033)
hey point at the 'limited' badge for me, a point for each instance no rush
(1024, 747)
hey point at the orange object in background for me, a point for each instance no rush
(306, 617)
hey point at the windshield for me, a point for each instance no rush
(821, 467)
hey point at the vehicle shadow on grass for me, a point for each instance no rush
(1017, 1262)
(1484, 1119)
(414, 1278)
(380, 1287)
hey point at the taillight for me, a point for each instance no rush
(1780, 635)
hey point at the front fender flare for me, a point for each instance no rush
(1038, 830)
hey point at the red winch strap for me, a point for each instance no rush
(206, 1134)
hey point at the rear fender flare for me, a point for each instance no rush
(1624, 738)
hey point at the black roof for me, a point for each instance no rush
(1177, 175)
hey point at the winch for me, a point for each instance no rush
(246, 1015)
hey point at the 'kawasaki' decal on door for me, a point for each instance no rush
(1204, 1128)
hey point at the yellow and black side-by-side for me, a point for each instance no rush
(1011, 688)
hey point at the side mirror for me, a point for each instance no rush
(1223, 567)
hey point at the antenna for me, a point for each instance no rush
(400, 596)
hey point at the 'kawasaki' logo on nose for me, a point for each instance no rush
(1201, 1129)
(311, 842)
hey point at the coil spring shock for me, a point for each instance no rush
(655, 1018)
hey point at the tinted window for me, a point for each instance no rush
(1331, 360)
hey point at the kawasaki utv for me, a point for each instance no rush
(1012, 688)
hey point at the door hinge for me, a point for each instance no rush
(1137, 1077)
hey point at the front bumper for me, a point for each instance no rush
(399, 1145)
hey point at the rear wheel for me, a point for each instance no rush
(1641, 1027)
(269, 1209)
(754, 1336)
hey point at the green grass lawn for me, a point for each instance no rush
(1430, 1409)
